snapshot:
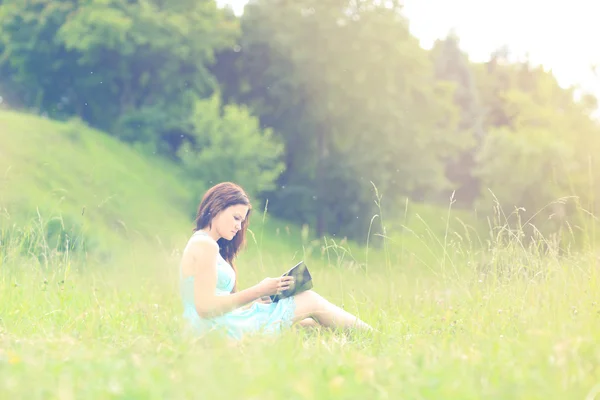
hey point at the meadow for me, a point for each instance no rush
(89, 247)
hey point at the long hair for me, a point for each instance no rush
(215, 200)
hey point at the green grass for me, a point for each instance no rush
(511, 330)
(516, 321)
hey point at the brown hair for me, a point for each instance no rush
(215, 200)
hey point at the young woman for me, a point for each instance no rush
(209, 278)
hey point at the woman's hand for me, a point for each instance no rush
(273, 286)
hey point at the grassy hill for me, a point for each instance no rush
(106, 189)
(68, 177)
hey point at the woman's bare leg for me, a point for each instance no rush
(310, 304)
(308, 323)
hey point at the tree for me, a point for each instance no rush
(114, 62)
(541, 144)
(452, 65)
(229, 145)
(355, 99)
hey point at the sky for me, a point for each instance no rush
(550, 33)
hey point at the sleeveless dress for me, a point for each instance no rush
(269, 318)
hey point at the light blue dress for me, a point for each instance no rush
(259, 318)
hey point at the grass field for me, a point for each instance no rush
(454, 321)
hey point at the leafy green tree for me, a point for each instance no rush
(115, 62)
(452, 64)
(229, 145)
(541, 144)
(353, 95)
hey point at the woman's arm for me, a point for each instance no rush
(200, 259)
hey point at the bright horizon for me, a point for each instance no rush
(562, 40)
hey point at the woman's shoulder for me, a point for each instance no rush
(202, 243)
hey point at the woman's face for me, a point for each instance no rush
(229, 221)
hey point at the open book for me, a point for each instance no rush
(302, 282)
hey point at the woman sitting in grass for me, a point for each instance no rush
(209, 281)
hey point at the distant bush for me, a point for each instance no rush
(45, 240)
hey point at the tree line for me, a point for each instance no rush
(311, 104)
